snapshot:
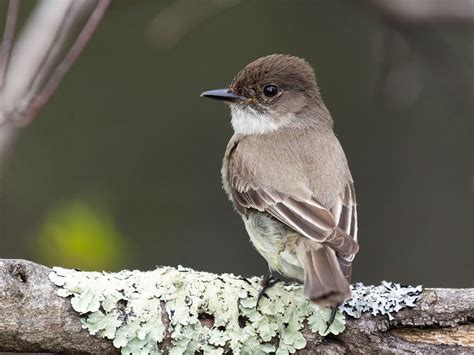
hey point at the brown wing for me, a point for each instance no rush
(344, 211)
(335, 226)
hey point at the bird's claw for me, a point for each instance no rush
(331, 319)
(267, 281)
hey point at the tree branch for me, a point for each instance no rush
(7, 41)
(69, 59)
(34, 318)
(33, 64)
(33, 78)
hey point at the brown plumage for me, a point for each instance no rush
(288, 177)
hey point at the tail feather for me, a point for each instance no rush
(346, 268)
(324, 282)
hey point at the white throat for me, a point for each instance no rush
(249, 121)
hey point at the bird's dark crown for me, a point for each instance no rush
(288, 73)
(273, 92)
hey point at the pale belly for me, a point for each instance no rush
(275, 242)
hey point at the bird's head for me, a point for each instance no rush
(271, 92)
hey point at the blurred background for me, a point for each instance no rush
(121, 169)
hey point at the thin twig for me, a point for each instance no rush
(7, 44)
(8, 35)
(69, 59)
(48, 60)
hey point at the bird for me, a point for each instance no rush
(287, 176)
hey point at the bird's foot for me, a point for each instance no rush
(267, 281)
(331, 319)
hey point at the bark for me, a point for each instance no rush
(33, 319)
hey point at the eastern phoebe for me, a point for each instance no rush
(288, 177)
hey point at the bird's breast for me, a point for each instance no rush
(275, 242)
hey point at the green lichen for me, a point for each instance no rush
(126, 307)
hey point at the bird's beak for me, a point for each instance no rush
(222, 94)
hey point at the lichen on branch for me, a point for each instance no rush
(183, 311)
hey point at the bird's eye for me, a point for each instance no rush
(270, 90)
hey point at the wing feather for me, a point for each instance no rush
(334, 226)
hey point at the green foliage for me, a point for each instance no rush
(80, 235)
